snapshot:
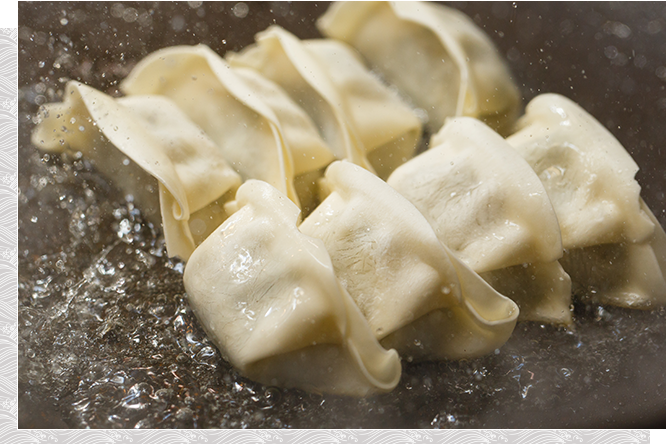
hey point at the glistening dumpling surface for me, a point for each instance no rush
(434, 54)
(268, 297)
(416, 295)
(145, 144)
(487, 205)
(361, 119)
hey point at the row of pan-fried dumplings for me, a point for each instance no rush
(428, 257)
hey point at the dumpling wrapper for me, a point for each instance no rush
(262, 133)
(588, 174)
(150, 150)
(625, 274)
(483, 200)
(362, 120)
(434, 54)
(268, 298)
(417, 296)
(542, 290)
(611, 239)
(487, 205)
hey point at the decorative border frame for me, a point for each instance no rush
(9, 341)
(8, 231)
(334, 436)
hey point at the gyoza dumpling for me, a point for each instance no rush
(488, 206)
(483, 200)
(268, 297)
(360, 119)
(146, 144)
(542, 290)
(417, 296)
(612, 248)
(262, 133)
(434, 54)
(624, 274)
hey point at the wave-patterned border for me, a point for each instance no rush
(9, 348)
(8, 233)
(332, 436)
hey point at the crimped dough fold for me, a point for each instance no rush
(434, 54)
(614, 247)
(361, 119)
(402, 278)
(268, 297)
(262, 133)
(487, 205)
(150, 150)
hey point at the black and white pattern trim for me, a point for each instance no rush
(8, 239)
(338, 437)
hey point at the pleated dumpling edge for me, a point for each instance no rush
(269, 299)
(614, 246)
(151, 151)
(433, 54)
(409, 286)
(362, 120)
(262, 133)
(489, 207)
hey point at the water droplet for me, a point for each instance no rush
(240, 10)
(124, 227)
(130, 15)
(178, 23)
